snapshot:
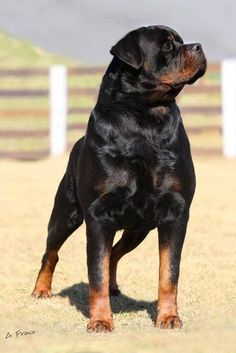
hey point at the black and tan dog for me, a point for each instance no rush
(132, 170)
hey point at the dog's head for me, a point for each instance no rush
(159, 61)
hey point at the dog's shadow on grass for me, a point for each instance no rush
(78, 297)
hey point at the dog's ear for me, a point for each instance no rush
(128, 50)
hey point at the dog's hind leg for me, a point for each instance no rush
(129, 241)
(66, 217)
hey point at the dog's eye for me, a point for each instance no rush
(167, 46)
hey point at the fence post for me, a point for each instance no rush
(58, 109)
(228, 72)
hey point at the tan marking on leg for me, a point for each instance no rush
(43, 283)
(99, 303)
(167, 294)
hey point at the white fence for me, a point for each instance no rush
(228, 71)
(59, 102)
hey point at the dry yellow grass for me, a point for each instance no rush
(207, 283)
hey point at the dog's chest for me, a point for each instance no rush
(154, 198)
(142, 195)
(143, 189)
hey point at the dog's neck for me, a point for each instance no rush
(116, 89)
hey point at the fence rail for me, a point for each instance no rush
(87, 70)
(33, 72)
(206, 87)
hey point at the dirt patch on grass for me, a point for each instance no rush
(207, 294)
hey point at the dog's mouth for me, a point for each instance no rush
(195, 65)
(171, 83)
(195, 76)
(201, 71)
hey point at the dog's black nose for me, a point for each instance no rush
(196, 47)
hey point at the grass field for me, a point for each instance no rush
(207, 295)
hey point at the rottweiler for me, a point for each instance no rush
(132, 171)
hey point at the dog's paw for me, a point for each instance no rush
(168, 322)
(100, 326)
(41, 293)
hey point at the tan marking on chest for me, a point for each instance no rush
(119, 179)
(170, 182)
(176, 184)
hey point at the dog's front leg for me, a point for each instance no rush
(171, 238)
(99, 245)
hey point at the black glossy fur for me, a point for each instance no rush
(133, 168)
